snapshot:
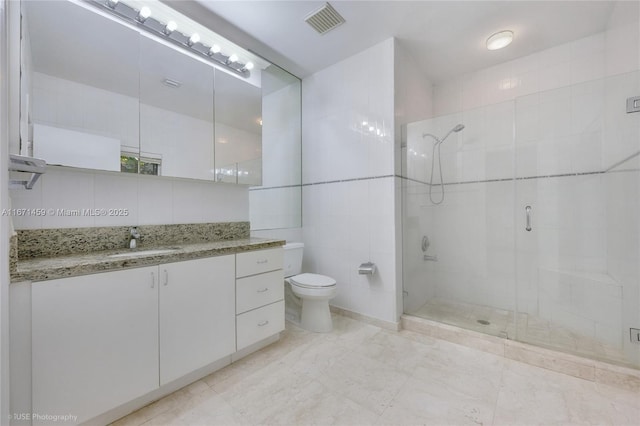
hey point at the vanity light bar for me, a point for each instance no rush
(144, 19)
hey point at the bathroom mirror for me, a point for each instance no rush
(176, 113)
(277, 203)
(79, 86)
(238, 127)
(98, 93)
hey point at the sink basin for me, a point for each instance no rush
(143, 252)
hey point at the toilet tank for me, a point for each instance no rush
(292, 259)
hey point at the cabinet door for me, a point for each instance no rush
(197, 314)
(94, 342)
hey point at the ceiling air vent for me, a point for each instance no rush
(324, 19)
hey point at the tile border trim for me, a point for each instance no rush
(610, 169)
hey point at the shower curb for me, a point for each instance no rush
(595, 371)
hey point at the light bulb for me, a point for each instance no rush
(364, 123)
(249, 65)
(170, 27)
(371, 128)
(195, 37)
(233, 58)
(214, 49)
(144, 13)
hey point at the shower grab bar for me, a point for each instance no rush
(528, 215)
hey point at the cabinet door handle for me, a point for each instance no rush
(263, 290)
(262, 261)
(166, 278)
(527, 211)
(263, 323)
(153, 280)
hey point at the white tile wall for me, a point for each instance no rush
(150, 200)
(346, 224)
(348, 133)
(275, 208)
(612, 52)
(622, 198)
(336, 103)
(413, 96)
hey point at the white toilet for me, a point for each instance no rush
(314, 290)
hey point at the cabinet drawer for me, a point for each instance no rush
(259, 290)
(256, 262)
(259, 324)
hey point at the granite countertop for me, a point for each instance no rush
(49, 268)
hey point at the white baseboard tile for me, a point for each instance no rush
(387, 325)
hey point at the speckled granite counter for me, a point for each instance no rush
(48, 268)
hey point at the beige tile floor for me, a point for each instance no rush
(363, 375)
(531, 329)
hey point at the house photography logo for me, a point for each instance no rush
(43, 417)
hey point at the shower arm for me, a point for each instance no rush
(437, 139)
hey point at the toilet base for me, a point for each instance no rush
(316, 315)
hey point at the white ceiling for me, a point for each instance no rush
(446, 38)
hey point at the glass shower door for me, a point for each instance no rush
(577, 213)
(458, 244)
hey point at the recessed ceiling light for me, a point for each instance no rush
(499, 40)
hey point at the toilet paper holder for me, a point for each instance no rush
(367, 268)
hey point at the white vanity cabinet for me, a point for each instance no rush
(94, 342)
(99, 341)
(197, 322)
(102, 341)
(259, 296)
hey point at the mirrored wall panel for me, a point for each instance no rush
(238, 146)
(277, 203)
(176, 113)
(78, 109)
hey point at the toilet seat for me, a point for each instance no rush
(312, 281)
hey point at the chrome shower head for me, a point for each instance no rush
(456, 129)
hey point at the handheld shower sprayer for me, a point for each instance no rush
(438, 142)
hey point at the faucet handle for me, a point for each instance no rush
(134, 232)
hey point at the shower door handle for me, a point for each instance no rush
(527, 211)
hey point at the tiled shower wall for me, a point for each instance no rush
(557, 112)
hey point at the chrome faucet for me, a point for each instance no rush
(134, 236)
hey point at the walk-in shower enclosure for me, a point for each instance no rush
(538, 236)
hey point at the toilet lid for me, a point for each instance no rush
(312, 280)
